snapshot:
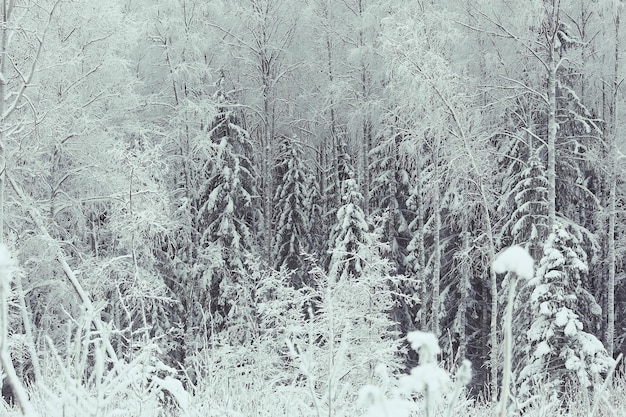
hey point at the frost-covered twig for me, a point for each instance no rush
(463, 377)
(305, 368)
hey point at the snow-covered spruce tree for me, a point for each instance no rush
(340, 168)
(391, 178)
(391, 166)
(226, 213)
(527, 227)
(293, 211)
(461, 280)
(212, 190)
(415, 259)
(528, 223)
(348, 234)
(561, 355)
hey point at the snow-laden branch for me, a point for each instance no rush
(69, 272)
(26, 80)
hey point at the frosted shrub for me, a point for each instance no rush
(427, 379)
(348, 329)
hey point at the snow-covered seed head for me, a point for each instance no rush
(426, 344)
(515, 259)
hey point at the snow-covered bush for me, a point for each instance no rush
(348, 330)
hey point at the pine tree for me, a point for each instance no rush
(561, 354)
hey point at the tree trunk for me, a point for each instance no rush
(610, 300)
(464, 284)
(612, 155)
(3, 59)
(267, 145)
(436, 303)
(333, 135)
(421, 213)
(493, 356)
(366, 125)
(552, 131)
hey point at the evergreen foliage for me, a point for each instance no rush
(227, 215)
(528, 223)
(350, 229)
(294, 208)
(562, 355)
(391, 180)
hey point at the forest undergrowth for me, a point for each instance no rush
(324, 368)
(146, 388)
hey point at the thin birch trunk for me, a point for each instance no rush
(421, 213)
(552, 132)
(333, 134)
(366, 126)
(35, 215)
(436, 278)
(6, 364)
(464, 284)
(3, 65)
(612, 154)
(461, 134)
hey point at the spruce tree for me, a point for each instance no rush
(294, 201)
(227, 215)
(528, 227)
(528, 224)
(206, 250)
(350, 226)
(561, 354)
(389, 194)
(392, 166)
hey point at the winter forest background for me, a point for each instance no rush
(243, 207)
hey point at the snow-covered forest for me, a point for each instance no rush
(312, 207)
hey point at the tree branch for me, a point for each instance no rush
(60, 257)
